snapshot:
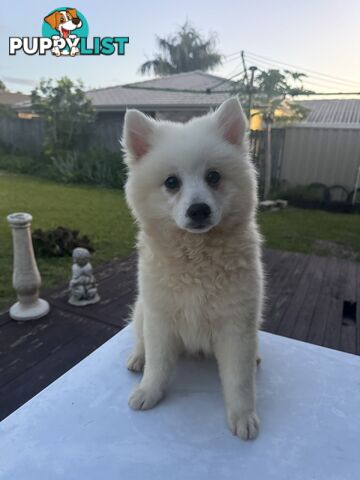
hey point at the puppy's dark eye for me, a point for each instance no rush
(172, 183)
(213, 177)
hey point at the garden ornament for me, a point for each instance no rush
(82, 284)
(26, 276)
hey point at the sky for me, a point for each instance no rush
(317, 35)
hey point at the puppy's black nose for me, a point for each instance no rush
(198, 212)
(76, 20)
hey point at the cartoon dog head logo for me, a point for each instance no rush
(64, 22)
(68, 24)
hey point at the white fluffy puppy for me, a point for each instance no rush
(192, 190)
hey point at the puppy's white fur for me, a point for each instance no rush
(198, 290)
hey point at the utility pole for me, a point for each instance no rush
(250, 88)
(244, 67)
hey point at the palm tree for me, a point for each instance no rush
(185, 51)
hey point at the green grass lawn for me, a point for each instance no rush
(99, 213)
(103, 216)
(312, 231)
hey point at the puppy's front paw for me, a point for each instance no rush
(244, 424)
(135, 363)
(143, 399)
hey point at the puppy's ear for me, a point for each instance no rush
(52, 20)
(231, 121)
(137, 135)
(72, 12)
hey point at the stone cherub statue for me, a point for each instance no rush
(82, 284)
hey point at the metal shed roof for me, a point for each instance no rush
(343, 111)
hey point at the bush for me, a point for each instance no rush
(95, 167)
(59, 242)
(314, 193)
(18, 163)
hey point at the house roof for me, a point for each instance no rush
(9, 98)
(197, 80)
(345, 111)
(160, 93)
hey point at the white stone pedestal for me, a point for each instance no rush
(26, 276)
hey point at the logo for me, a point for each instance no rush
(65, 32)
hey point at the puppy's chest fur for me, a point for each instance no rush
(201, 288)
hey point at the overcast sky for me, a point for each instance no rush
(320, 35)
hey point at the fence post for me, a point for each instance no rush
(267, 167)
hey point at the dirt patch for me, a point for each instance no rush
(333, 249)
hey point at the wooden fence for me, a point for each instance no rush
(21, 134)
(27, 135)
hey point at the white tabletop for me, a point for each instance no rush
(80, 427)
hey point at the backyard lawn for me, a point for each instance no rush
(103, 216)
(97, 212)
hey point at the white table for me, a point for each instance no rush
(80, 427)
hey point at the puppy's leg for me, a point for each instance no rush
(161, 353)
(235, 352)
(136, 361)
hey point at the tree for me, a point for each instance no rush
(185, 51)
(68, 114)
(271, 88)
(6, 110)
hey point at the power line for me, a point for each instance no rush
(313, 72)
(179, 90)
(229, 60)
(274, 63)
(319, 85)
(267, 61)
(204, 92)
(344, 80)
(226, 79)
(235, 54)
(319, 82)
(328, 93)
(229, 78)
(317, 77)
(322, 85)
(235, 69)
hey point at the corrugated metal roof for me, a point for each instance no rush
(332, 111)
(147, 96)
